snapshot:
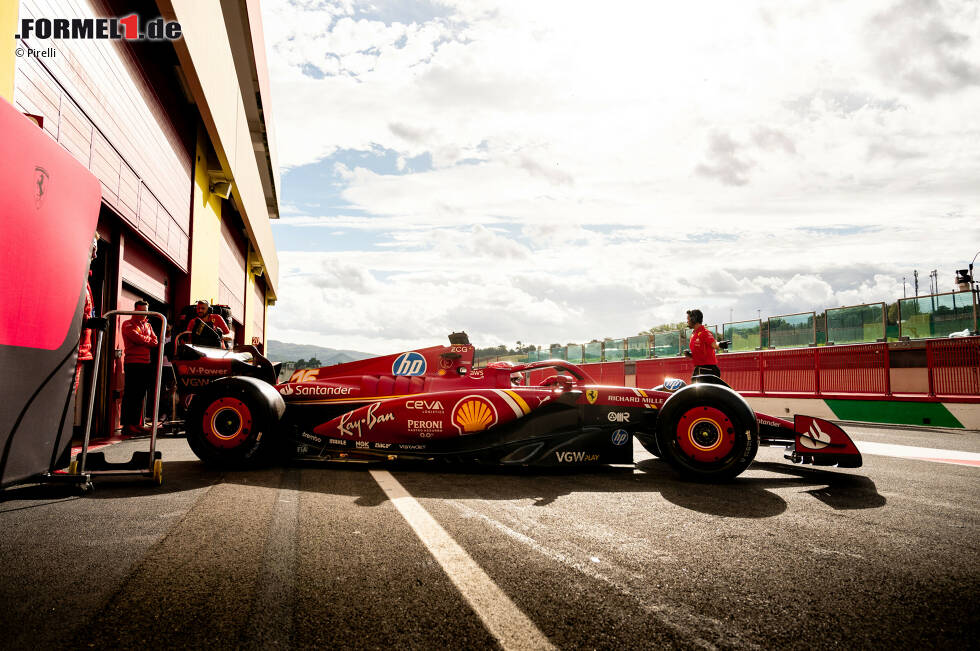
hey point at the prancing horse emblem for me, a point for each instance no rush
(591, 395)
(41, 177)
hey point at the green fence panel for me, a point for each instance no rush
(937, 315)
(593, 352)
(857, 324)
(638, 347)
(613, 350)
(744, 335)
(556, 352)
(792, 330)
(667, 344)
(574, 352)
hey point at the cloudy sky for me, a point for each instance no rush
(553, 171)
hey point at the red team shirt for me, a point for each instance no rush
(702, 350)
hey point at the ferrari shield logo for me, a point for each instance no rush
(41, 177)
(591, 395)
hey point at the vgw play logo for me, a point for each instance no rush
(410, 364)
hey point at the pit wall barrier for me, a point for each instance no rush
(933, 383)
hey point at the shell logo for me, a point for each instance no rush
(473, 414)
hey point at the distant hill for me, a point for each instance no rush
(279, 351)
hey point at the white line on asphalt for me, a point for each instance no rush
(670, 617)
(511, 627)
(912, 452)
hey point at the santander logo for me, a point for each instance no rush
(815, 439)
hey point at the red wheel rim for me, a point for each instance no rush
(705, 434)
(227, 422)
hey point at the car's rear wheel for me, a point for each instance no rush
(232, 423)
(707, 432)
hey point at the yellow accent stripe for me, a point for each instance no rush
(519, 400)
(642, 392)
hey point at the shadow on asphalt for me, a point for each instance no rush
(747, 496)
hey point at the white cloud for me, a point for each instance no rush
(598, 170)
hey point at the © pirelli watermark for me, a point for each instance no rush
(125, 28)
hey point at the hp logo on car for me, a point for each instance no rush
(620, 437)
(409, 364)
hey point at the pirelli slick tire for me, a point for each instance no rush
(232, 423)
(707, 432)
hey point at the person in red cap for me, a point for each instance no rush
(702, 346)
(140, 339)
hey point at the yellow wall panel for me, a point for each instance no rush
(8, 58)
(205, 229)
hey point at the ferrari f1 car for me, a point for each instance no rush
(431, 404)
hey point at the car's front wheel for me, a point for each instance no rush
(707, 432)
(232, 422)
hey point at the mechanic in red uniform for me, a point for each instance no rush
(703, 346)
(140, 339)
(214, 320)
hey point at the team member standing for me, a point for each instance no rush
(214, 322)
(703, 346)
(140, 340)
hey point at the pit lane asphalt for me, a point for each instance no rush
(313, 555)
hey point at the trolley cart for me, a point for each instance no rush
(146, 464)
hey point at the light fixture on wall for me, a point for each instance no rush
(220, 187)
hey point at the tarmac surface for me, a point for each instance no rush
(404, 556)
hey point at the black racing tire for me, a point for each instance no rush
(233, 423)
(707, 432)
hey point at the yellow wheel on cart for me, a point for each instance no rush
(73, 467)
(158, 471)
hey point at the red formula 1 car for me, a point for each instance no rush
(432, 404)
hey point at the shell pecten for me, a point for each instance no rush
(473, 415)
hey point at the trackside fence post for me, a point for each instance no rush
(816, 369)
(929, 365)
(888, 370)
